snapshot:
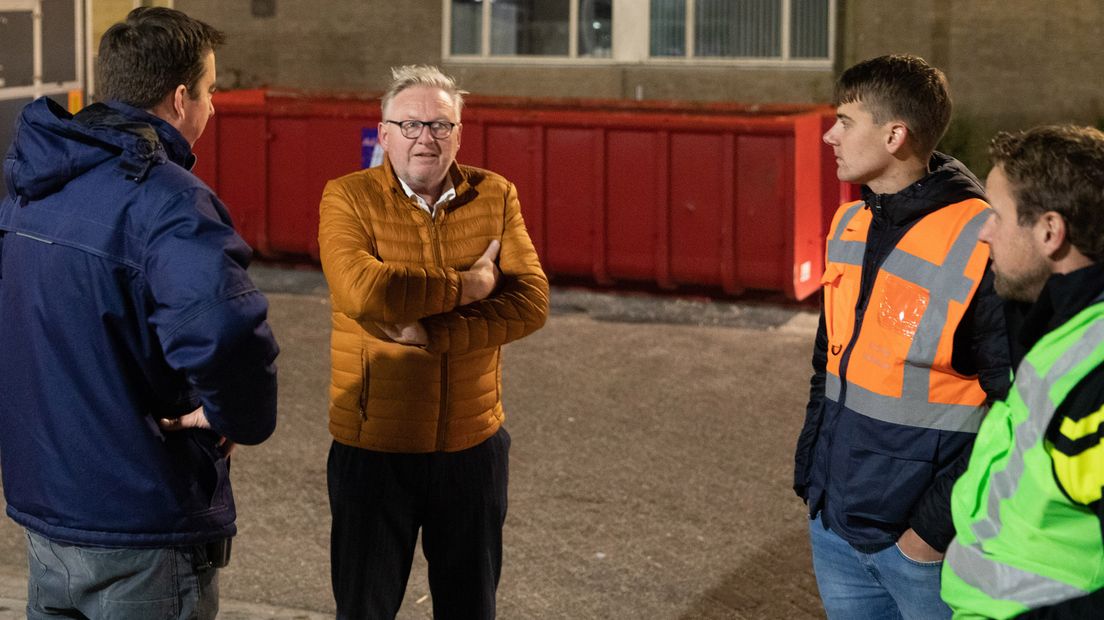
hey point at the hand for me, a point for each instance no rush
(195, 419)
(406, 333)
(916, 549)
(480, 281)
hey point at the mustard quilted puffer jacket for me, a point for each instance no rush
(386, 260)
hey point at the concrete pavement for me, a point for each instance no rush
(650, 466)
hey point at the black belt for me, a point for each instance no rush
(216, 554)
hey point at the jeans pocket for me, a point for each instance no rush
(922, 564)
(163, 609)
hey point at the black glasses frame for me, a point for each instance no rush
(412, 129)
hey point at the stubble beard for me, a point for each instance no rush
(1023, 287)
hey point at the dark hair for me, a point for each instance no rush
(900, 87)
(155, 50)
(1057, 168)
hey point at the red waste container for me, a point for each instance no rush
(709, 195)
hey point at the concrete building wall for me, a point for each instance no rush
(351, 44)
(1011, 64)
(344, 45)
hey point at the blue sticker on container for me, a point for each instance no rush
(371, 153)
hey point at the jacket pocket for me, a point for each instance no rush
(888, 471)
(204, 468)
(362, 404)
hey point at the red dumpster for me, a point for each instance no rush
(709, 195)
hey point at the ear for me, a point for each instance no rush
(178, 95)
(896, 136)
(1050, 233)
(171, 107)
(383, 135)
(458, 130)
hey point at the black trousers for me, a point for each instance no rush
(379, 500)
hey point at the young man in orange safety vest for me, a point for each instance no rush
(910, 351)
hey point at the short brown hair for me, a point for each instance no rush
(153, 51)
(1057, 168)
(900, 87)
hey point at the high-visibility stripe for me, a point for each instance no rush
(847, 216)
(846, 252)
(1006, 582)
(945, 283)
(916, 412)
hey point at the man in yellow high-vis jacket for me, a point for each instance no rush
(1027, 512)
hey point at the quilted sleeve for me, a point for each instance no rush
(361, 285)
(518, 308)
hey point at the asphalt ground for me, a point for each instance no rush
(650, 466)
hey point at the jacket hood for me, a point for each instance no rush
(949, 181)
(52, 147)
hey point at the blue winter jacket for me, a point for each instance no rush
(123, 299)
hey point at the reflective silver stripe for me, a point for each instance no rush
(945, 283)
(907, 411)
(1004, 582)
(846, 218)
(832, 387)
(948, 283)
(1034, 390)
(846, 252)
(30, 236)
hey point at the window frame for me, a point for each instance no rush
(631, 28)
(38, 87)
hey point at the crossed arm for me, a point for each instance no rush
(440, 308)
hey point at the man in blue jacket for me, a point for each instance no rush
(135, 348)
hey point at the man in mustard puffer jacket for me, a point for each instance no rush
(420, 311)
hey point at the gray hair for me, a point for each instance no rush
(407, 76)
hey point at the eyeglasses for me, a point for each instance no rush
(412, 129)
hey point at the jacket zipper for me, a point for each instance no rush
(865, 292)
(442, 415)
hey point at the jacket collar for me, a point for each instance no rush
(175, 145)
(462, 182)
(1062, 297)
(52, 147)
(948, 182)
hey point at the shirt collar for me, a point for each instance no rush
(446, 196)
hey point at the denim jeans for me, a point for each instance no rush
(885, 584)
(121, 584)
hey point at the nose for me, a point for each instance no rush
(424, 136)
(986, 232)
(830, 135)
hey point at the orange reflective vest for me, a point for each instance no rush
(897, 368)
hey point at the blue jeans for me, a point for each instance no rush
(125, 584)
(872, 586)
